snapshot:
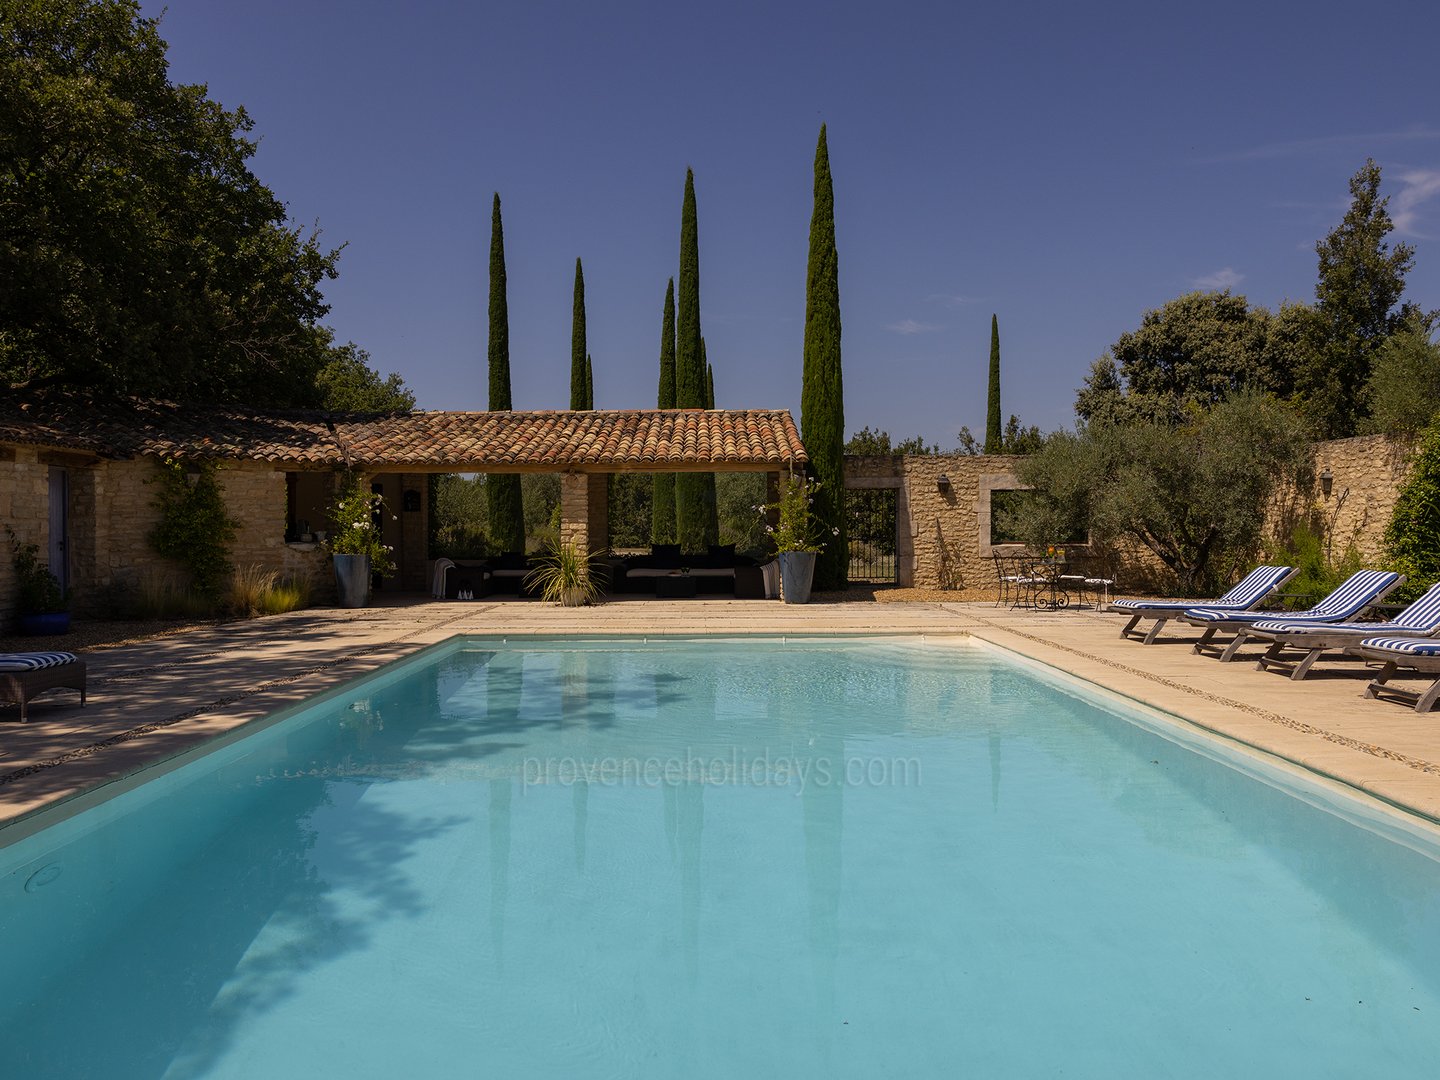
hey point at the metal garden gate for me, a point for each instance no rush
(871, 517)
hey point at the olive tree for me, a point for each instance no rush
(1194, 492)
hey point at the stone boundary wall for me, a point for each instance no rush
(25, 507)
(943, 537)
(944, 531)
(1367, 473)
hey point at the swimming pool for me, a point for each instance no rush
(814, 857)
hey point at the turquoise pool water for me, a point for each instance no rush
(713, 859)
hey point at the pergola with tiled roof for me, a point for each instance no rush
(584, 447)
(594, 441)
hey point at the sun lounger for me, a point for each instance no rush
(23, 676)
(1358, 592)
(1397, 654)
(1421, 619)
(1253, 588)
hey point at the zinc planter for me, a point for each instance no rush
(797, 571)
(352, 579)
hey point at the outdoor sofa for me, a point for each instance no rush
(718, 570)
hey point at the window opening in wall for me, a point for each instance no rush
(1007, 513)
(307, 497)
(1004, 512)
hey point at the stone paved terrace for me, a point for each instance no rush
(153, 700)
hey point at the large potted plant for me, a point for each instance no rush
(563, 576)
(40, 603)
(355, 545)
(797, 535)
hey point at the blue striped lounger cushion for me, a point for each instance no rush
(34, 661)
(1404, 645)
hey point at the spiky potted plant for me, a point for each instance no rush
(563, 576)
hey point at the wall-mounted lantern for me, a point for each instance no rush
(942, 484)
(1327, 481)
(410, 501)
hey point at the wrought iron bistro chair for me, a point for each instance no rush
(1089, 573)
(1009, 572)
(1020, 580)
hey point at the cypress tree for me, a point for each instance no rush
(502, 490)
(690, 516)
(589, 382)
(577, 341)
(662, 497)
(711, 502)
(994, 437)
(822, 402)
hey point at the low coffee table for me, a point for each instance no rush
(678, 585)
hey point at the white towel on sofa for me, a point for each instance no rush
(437, 588)
(771, 574)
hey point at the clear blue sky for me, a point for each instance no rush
(1064, 166)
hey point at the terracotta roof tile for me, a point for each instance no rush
(599, 439)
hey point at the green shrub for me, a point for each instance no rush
(38, 591)
(162, 596)
(1317, 576)
(1404, 387)
(194, 530)
(247, 586)
(257, 591)
(1412, 538)
(288, 594)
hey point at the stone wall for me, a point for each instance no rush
(25, 507)
(1367, 473)
(944, 530)
(585, 511)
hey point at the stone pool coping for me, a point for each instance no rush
(155, 700)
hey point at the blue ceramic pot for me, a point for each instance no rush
(52, 622)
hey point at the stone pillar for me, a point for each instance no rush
(575, 510)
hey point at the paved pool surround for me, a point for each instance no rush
(156, 700)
